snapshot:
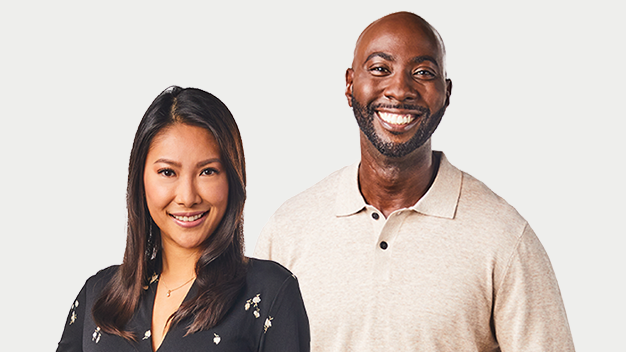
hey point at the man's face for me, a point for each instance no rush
(397, 86)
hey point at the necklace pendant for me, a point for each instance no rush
(168, 292)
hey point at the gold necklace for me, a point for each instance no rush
(174, 289)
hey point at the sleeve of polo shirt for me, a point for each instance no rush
(528, 309)
(263, 248)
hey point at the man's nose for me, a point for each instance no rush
(401, 88)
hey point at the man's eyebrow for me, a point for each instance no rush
(416, 60)
(382, 55)
(422, 58)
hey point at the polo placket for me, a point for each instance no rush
(385, 231)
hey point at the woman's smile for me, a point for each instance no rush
(189, 220)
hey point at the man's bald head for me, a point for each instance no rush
(398, 21)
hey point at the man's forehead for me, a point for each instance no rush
(384, 38)
(397, 32)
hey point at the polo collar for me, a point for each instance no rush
(440, 200)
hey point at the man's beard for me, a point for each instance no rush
(365, 118)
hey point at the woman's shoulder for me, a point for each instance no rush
(267, 273)
(268, 268)
(97, 281)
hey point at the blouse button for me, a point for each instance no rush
(375, 216)
(383, 245)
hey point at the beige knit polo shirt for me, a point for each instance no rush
(461, 270)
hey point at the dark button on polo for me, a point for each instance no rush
(383, 245)
(375, 216)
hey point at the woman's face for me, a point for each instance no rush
(186, 185)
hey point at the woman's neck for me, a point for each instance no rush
(178, 265)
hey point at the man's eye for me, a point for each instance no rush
(167, 172)
(424, 73)
(379, 70)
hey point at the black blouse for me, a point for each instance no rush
(268, 316)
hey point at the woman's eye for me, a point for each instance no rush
(167, 172)
(209, 172)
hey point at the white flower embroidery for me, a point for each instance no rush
(73, 315)
(147, 335)
(268, 324)
(254, 302)
(216, 339)
(96, 335)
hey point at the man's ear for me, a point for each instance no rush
(448, 91)
(349, 78)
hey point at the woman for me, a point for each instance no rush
(184, 283)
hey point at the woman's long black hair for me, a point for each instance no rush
(220, 271)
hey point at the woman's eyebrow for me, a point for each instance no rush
(208, 161)
(167, 161)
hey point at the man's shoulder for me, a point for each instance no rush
(321, 194)
(470, 201)
(480, 203)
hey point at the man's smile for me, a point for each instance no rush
(395, 119)
(398, 121)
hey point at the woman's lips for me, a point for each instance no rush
(189, 220)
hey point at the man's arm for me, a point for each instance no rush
(528, 309)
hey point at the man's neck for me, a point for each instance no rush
(390, 183)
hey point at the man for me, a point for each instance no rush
(402, 251)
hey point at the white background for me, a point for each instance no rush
(535, 113)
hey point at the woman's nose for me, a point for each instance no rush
(187, 193)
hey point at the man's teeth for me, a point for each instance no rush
(395, 119)
(188, 218)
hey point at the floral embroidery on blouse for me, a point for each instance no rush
(254, 302)
(268, 324)
(216, 339)
(147, 335)
(96, 335)
(73, 316)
